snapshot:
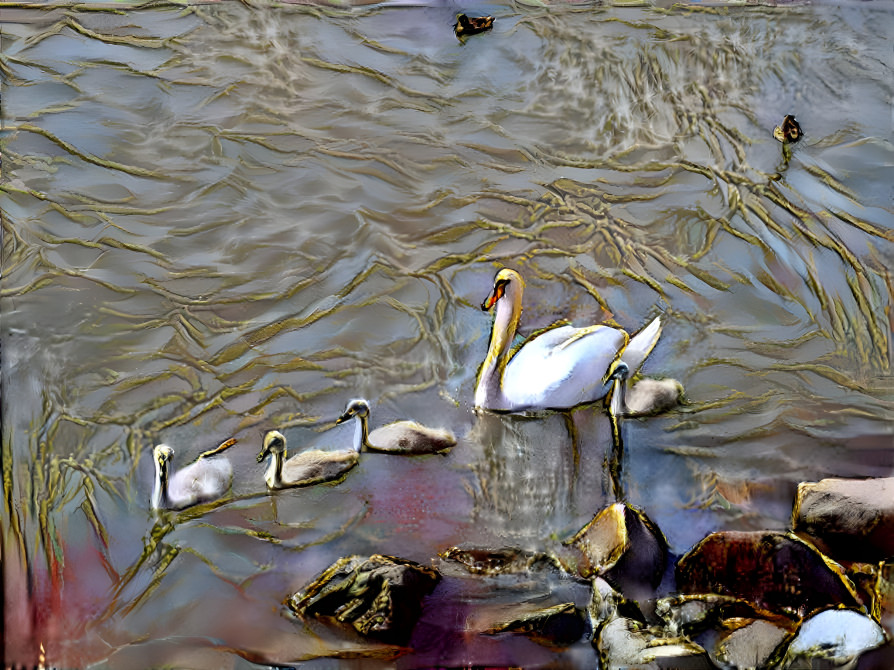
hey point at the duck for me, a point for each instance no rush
(205, 479)
(399, 437)
(314, 466)
(558, 369)
(789, 131)
(466, 25)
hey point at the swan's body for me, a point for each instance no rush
(400, 437)
(205, 479)
(309, 467)
(558, 369)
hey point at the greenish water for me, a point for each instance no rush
(227, 218)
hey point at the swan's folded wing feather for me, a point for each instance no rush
(563, 367)
(641, 344)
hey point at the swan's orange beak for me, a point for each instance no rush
(495, 295)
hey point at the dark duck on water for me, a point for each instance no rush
(788, 130)
(466, 26)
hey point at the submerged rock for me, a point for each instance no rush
(380, 596)
(751, 645)
(690, 615)
(850, 519)
(836, 636)
(557, 626)
(506, 560)
(624, 547)
(627, 643)
(775, 571)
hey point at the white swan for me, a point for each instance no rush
(203, 480)
(400, 437)
(558, 369)
(309, 467)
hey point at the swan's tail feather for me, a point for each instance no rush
(641, 345)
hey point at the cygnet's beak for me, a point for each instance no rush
(344, 417)
(263, 454)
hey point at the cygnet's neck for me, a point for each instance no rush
(618, 406)
(273, 476)
(361, 432)
(160, 490)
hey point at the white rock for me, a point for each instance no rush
(834, 634)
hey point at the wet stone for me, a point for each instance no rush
(689, 615)
(850, 519)
(624, 547)
(751, 645)
(627, 643)
(606, 603)
(836, 636)
(380, 596)
(557, 626)
(503, 561)
(775, 571)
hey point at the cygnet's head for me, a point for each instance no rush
(162, 454)
(357, 407)
(274, 441)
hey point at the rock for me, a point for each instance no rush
(380, 596)
(507, 560)
(557, 626)
(624, 547)
(751, 645)
(836, 636)
(627, 643)
(775, 571)
(690, 615)
(883, 607)
(606, 603)
(850, 519)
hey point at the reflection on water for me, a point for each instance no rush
(224, 219)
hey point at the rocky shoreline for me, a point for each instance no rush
(818, 595)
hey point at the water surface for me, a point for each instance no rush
(226, 218)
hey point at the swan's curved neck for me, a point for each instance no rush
(490, 378)
(361, 432)
(273, 476)
(160, 490)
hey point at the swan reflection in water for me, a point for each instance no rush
(535, 475)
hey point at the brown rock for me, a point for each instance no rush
(850, 519)
(380, 596)
(624, 547)
(776, 571)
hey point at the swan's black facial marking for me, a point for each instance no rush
(496, 294)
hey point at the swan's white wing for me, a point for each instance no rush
(562, 367)
(641, 345)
